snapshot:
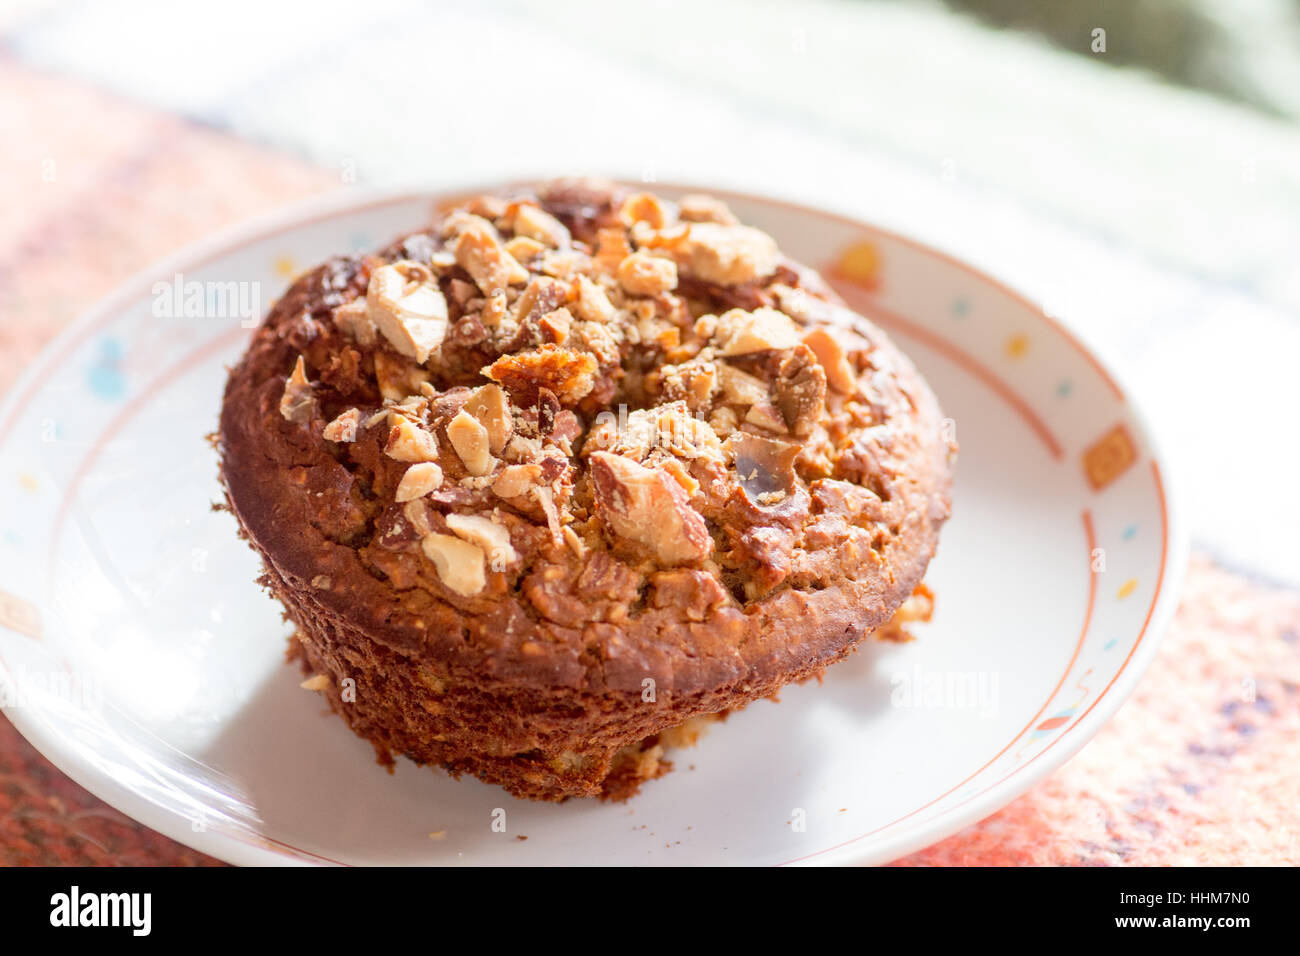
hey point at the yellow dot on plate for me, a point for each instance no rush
(28, 481)
(286, 267)
(1017, 345)
(1128, 587)
(860, 263)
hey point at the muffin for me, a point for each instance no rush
(550, 484)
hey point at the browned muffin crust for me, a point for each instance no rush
(569, 469)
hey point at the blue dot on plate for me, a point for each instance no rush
(105, 375)
(961, 307)
(1065, 388)
(1130, 531)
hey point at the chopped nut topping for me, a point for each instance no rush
(344, 428)
(515, 480)
(696, 208)
(420, 479)
(766, 415)
(642, 207)
(459, 563)
(647, 506)
(554, 326)
(408, 307)
(641, 274)
(727, 255)
(491, 407)
(800, 390)
(416, 512)
(397, 376)
(317, 682)
(353, 318)
(536, 223)
(493, 538)
(407, 441)
(479, 252)
(593, 304)
(830, 353)
(740, 387)
(611, 248)
(764, 329)
(297, 404)
(575, 543)
(524, 249)
(570, 375)
(669, 429)
(764, 467)
(470, 439)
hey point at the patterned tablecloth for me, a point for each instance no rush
(1200, 766)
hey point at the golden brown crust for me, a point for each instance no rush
(521, 577)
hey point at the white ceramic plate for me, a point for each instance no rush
(137, 653)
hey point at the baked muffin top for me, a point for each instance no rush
(583, 436)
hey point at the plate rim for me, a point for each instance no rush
(352, 199)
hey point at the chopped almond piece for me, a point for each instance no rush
(593, 304)
(611, 248)
(493, 538)
(409, 308)
(470, 439)
(316, 682)
(298, 404)
(647, 506)
(353, 318)
(407, 441)
(767, 415)
(479, 252)
(762, 330)
(799, 390)
(491, 407)
(343, 428)
(764, 467)
(739, 387)
(398, 376)
(524, 249)
(570, 375)
(697, 208)
(640, 274)
(642, 207)
(515, 480)
(727, 255)
(555, 326)
(459, 563)
(830, 353)
(420, 479)
(536, 223)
